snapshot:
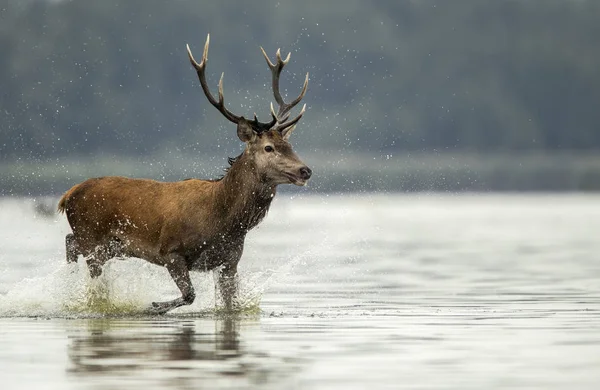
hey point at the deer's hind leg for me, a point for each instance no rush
(72, 248)
(177, 267)
(95, 261)
(101, 254)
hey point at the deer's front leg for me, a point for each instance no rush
(228, 279)
(178, 270)
(228, 285)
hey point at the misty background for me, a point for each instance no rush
(426, 95)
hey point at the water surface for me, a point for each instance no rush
(379, 291)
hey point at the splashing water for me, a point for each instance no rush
(37, 283)
(125, 288)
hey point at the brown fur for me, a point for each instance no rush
(191, 224)
(185, 225)
(62, 203)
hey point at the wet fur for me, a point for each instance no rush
(186, 225)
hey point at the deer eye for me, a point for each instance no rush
(269, 149)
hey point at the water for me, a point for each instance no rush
(340, 292)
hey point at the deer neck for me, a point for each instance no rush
(246, 196)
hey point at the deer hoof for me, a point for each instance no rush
(158, 308)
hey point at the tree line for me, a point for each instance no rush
(81, 78)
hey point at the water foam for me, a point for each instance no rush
(125, 288)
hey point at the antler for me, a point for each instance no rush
(284, 108)
(220, 104)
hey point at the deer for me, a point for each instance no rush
(193, 224)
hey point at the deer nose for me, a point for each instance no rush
(305, 173)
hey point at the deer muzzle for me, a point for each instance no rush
(300, 177)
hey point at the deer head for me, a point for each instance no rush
(266, 142)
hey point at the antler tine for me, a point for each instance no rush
(271, 65)
(200, 69)
(280, 120)
(302, 92)
(284, 125)
(276, 69)
(279, 60)
(205, 51)
(221, 97)
(273, 112)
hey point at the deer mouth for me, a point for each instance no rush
(294, 179)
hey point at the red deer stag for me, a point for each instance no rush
(191, 224)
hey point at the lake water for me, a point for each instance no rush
(339, 292)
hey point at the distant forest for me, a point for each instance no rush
(87, 78)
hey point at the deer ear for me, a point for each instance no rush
(245, 131)
(285, 133)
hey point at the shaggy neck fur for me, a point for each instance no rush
(246, 195)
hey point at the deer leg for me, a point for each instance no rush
(228, 284)
(114, 248)
(72, 248)
(227, 280)
(178, 270)
(96, 260)
(94, 266)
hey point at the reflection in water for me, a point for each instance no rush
(461, 292)
(180, 349)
